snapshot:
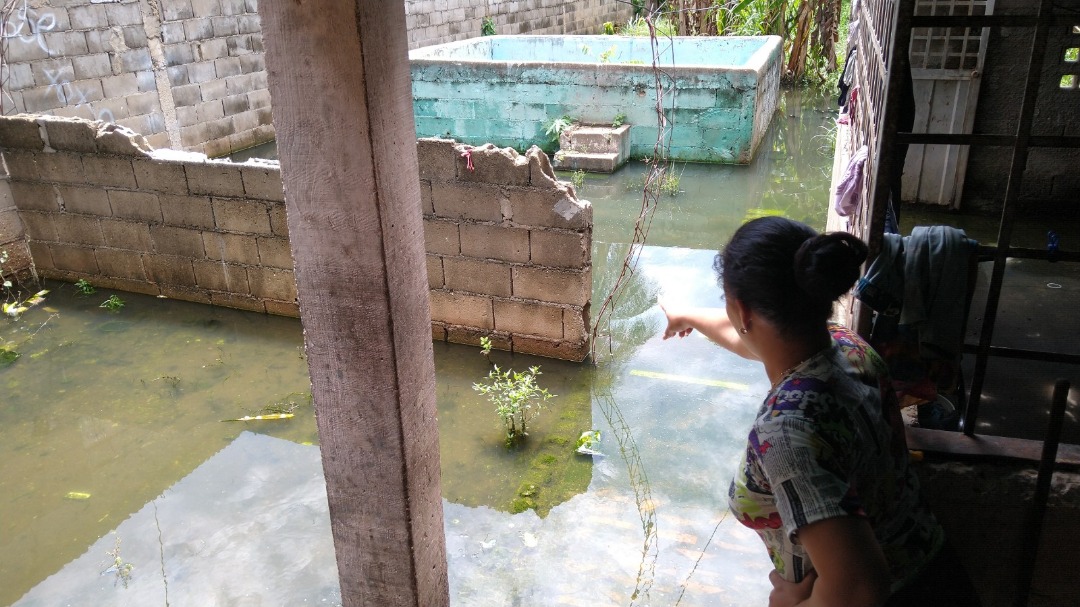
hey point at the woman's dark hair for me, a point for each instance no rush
(787, 272)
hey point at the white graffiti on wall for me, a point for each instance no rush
(29, 27)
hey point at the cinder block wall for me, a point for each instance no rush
(509, 246)
(509, 250)
(187, 74)
(438, 21)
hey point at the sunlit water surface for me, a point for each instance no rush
(121, 483)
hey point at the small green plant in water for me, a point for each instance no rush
(12, 305)
(669, 183)
(112, 304)
(487, 27)
(588, 442)
(119, 567)
(517, 397)
(605, 57)
(578, 178)
(84, 288)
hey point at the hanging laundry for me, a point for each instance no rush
(847, 191)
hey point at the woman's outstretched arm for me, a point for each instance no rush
(710, 322)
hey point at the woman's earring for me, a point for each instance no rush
(744, 330)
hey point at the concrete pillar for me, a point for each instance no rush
(339, 77)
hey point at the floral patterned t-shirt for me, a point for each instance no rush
(829, 442)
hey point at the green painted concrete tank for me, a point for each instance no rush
(507, 90)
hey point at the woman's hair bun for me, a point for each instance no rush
(827, 265)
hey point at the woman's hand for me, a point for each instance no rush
(677, 323)
(787, 594)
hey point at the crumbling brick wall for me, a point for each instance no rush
(509, 246)
(509, 250)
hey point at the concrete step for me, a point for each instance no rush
(594, 163)
(594, 148)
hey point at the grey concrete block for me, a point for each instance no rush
(54, 72)
(171, 240)
(22, 52)
(271, 283)
(174, 10)
(262, 183)
(233, 7)
(119, 263)
(246, 216)
(19, 76)
(39, 225)
(71, 135)
(143, 103)
(441, 237)
(485, 241)
(238, 85)
(188, 94)
(99, 41)
(481, 277)
(178, 75)
(235, 104)
(279, 220)
(146, 81)
(219, 276)
(124, 14)
(62, 167)
(209, 110)
(234, 248)
(215, 178)
(252, 64)
(201, 72)
(238, 301)
(110, 110)
(73, 258)
(529, 318)
(192, 211)
(476, 202)
(225, 26)
(20, 132)
(228, 66)
(110, 171)
(557, 286)
(198, 29)
(259, 99)
(91, 66)
(143, 206)
(120, 86)
(160, 176)
(186, 116)
(240, 46)
(169, 270)
(248, 24)
(136, 60)
(462, 310)
(135, 36)
(35, 196)
(274, 252)
(78, 229)
(65, 44)
(214, 90)
(88, 17)
(208, 50)
(88, 201)
(124, 234)
(172, 34)
(206, 8)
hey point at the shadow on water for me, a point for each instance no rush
(111, 428)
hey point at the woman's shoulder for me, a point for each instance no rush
(862, 358)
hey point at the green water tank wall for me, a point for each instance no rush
(507, 90)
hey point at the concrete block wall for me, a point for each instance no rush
(509, 246)
(187, 74)
(97, 204)
(509, 250)
(438, 21)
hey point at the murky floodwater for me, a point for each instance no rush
(114, 452)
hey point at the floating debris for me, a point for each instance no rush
(77, 495)
(251, 418)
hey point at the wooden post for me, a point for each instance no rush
(339, 77)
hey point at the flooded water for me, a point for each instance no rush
(123, 483)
